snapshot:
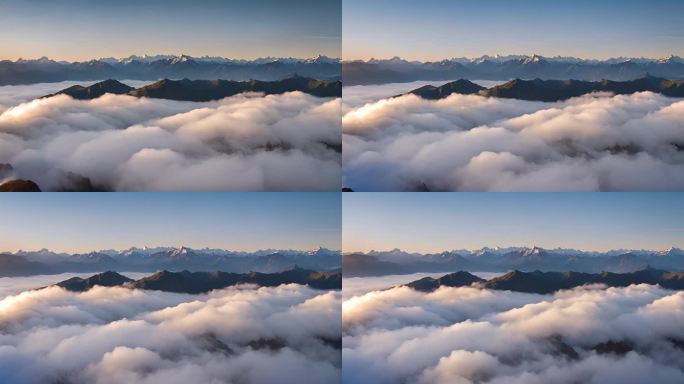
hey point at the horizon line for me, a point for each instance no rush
(523, 247)
(255, 58)
(175, 247)
(472, 58)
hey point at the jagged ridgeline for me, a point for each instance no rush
(549, 282)
(205, 90)
(378, 263)
(202, 282)
(41, 262)
(552, 90)
(397, 70)
(45, 70)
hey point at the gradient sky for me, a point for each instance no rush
(434, 222)
(86, 29)
(438, 29)
(80, 222)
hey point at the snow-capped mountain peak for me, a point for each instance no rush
(181, 59)
(534, 59)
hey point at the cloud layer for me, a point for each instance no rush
(115, 335)
(466, 335)
(471, 143)
(245, 142)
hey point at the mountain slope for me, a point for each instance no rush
(462, 86)
(94, 91)
(105, 279)
(198, 282)
(456, 279)
(207, 90)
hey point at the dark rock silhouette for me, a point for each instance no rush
(555, 90)
(94, 91)
(19, 185)
(206, 90)
(200, 282)
(456, 279)
(462, 86)
(549, 282)
(105, 279)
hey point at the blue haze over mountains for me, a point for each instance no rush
(378, 263)
(26, 263)
(45, 70)
(397, 70)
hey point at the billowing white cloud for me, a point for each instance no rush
(113, 335)
(472, 335)
(472, 143)
(245, 142)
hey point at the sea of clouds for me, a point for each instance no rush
(472, 335)
(472, 143)
(117, 335)
(245, 142)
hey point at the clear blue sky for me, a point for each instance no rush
(433, 222)
(69, 222)
(86, 29)
(438, 29)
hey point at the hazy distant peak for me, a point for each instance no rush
(533, 59)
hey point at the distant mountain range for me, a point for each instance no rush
(156, 67)
(397, 70)
(41, 262)
(549, 282)
(201, 282)
(552, 90)
(205, 90)
(393, 262)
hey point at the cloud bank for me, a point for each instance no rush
(245, 142)
(115, 335)
(471, 143)
(471, 335)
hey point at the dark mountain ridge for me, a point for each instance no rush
(456, 279)
(205, 90)
(462, 86)
(553, 90)
(202, 282)
(549, 282)
(96, 90)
